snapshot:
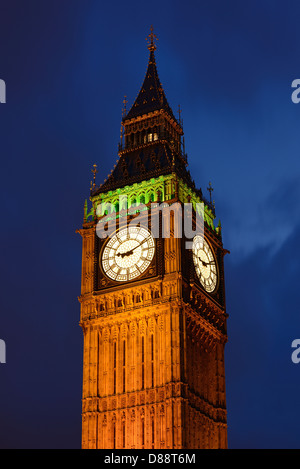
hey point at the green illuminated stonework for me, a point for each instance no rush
(168, 188)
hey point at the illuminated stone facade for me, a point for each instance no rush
(153, 361)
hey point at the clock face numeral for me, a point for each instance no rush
(128, 254)
(205, 264)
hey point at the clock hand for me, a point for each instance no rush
(140, 244)
(129, 253)
(123, 254)
(206, 263)
(126, 253)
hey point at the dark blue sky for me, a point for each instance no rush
(67, 66)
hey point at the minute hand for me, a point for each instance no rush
(128, 253)
(146, 239)
(206, 263)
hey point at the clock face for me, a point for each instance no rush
(205, 264)
(128, 254)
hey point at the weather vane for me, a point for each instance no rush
(210, 189)
(150, 39)
(94, 171)
(179, 114)
(124, 106)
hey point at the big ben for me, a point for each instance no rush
(153, 311)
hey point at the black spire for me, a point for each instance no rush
(151, 96)
(150, 136)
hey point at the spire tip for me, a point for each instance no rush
(150, 39)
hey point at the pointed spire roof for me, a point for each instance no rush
(151, 96)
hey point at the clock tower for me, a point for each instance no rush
(152, 310)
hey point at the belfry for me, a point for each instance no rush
(153, 312)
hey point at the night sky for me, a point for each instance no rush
(67, 66)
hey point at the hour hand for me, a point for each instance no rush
(123, 254)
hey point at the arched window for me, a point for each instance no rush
(152, 432)
(124, 365)
(114, 435)
(152, 360)
(162, 412)
(123, 431)
(115, 366)
(143, 432)
(143, 361)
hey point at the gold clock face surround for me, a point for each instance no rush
(205, 264)
(127, 254)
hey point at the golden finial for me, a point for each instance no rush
(150, 39)
(210, 190)
(94, 171)
(179, 114)
(124, 106)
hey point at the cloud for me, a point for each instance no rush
(262, 382)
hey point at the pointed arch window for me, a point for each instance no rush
(124, 366)
(123, 431)
(152, 360)
(152, 432)
(143, 361)
(115, 366)
(143, 433)
(114, 435)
